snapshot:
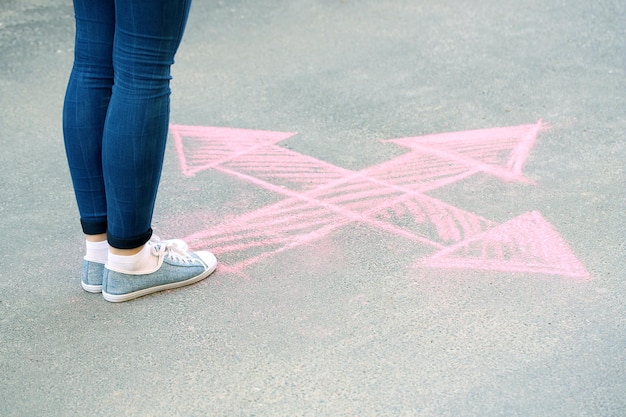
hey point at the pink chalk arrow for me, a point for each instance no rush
(527, 243)
(321, 197)
(201, 148)
(500, 152)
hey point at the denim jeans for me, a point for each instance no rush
(116, 112)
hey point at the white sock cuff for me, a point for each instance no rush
(141, 262)
(97, 251)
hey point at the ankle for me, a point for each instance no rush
(96, 238)
(126, 252)
(132, 261)
(96, 251)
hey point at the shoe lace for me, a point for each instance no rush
(170, 249)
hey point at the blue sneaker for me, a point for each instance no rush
(174, 267)
(91, 277)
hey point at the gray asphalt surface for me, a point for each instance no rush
(346, 324)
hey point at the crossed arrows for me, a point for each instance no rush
(320, 198)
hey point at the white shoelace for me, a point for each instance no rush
(170, 249)
(178, 242)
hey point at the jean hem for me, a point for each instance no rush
(93, 227)
(129, 243)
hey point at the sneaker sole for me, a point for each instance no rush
(118, 298)
(94, 289)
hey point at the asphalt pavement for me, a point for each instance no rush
(418, 209)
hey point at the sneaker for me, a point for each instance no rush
(174, 267)
(91, 277)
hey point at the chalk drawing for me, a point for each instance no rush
(320, 198)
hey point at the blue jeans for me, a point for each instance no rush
(116, 112)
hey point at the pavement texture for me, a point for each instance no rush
(476, 274)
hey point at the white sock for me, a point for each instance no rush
(97, 251)
(142, 262)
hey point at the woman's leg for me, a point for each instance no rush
(84, 112)
(147, 35)
(85, 108)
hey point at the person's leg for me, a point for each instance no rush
(85, 108)
(84, 112)
(147, 35)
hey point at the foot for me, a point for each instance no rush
(91, 277)
(172, 267)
